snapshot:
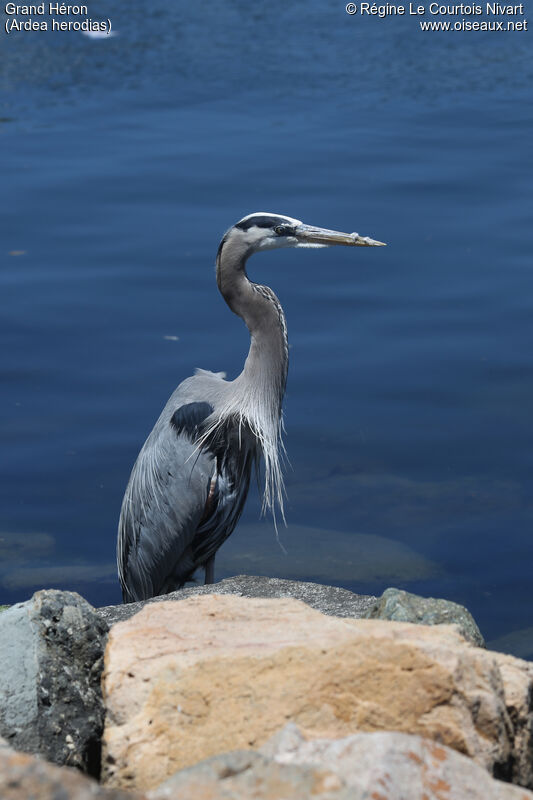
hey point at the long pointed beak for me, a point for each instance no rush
(307, 233)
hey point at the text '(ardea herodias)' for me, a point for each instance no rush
(189, 484)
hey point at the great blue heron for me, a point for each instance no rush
(188, 486)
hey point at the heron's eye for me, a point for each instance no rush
(281, 230)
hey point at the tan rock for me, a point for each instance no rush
(215, 673)
(25, 777)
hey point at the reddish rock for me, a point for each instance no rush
(25, 777)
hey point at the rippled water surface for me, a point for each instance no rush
(408, 409)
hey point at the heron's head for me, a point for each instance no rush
(264, 231)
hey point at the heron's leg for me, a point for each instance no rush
(210, 570)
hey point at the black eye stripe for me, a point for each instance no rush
(259, 221)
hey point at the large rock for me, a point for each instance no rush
(517, 676)
(50, 665)
(382, 766)
(247, 775)
(216, 673)
(401, 606)
(331, 600)
(25, 777)
(392, 766)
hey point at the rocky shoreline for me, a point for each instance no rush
(263, 688)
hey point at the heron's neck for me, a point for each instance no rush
(265, 369)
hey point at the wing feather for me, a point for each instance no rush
(163, 505)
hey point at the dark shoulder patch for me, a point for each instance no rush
(188, 418)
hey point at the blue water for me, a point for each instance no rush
(408, 408)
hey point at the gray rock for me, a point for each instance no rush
(517, 677)
(330, 600)
(245, 774)
(385, 765)
(400, 606)
(50, 665)
(392, 766)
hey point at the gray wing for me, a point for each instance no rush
(163, 506)
(182, 501)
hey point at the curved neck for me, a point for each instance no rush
(265, 369)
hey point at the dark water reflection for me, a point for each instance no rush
(408, 409)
